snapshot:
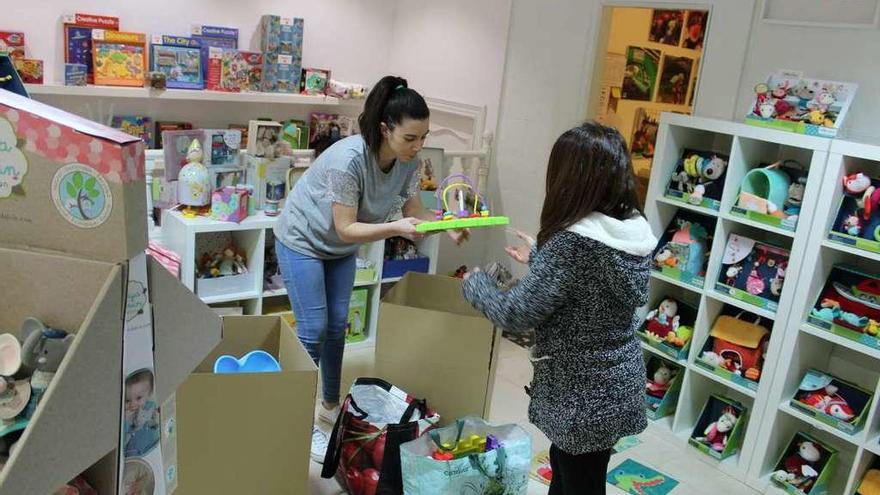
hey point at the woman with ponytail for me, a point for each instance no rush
(345, 199)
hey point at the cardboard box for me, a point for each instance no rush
(68, 184)
(248, 433)
(434, 345)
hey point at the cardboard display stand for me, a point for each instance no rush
(72, 206)
(433, 344)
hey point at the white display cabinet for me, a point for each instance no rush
(747, 147)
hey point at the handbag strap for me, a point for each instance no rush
(416, 404)
(334, 446)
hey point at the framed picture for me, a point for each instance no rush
(640, 75)
(695, 29)
(675, 80)
(263, 136)
(644, 133)
(431, 172)
(666, 26)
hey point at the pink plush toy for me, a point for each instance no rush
(717, 432)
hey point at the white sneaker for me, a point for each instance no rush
(328, 415)
(320, 441)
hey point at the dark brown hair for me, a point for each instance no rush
(589, 170)
(389, 102)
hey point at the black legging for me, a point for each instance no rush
(582, 474)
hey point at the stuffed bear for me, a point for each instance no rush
(43, 350)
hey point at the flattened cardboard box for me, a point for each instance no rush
(434, 345)
(248, 432)
(68, 184)
(77, 423)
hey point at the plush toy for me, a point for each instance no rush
(852, 225)
(713, 359)
(665, 258)
(856, 183)
(43, 350)
(663, 320)
(827, 400)
(680, 336)
(805, 94)
(661, 382)
(870, 484)
(800, 467)
(716, 434)
(792, 205)
(767, 109)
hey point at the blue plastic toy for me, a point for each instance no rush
(253, 362)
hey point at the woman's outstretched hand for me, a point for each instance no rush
(406, 228)
(520, 253)
(459, 236)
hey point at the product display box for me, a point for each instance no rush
(698, 179)
(234, 70)
(180, 59)
(69, 223)
(806, 467)
(451, 340)
(857, 223)
(662, 387)
(772, 194)
(248, 432)
(719, 432)
(357, 316)
(223, 38)
(833, 401)
(119, 58)
(849, 306)
(78, 38)
(669, 327)
(281, 35)
(753, 272)
(735, 347)
(398, 268)
(683, 250)
(281, 73)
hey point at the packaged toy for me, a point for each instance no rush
(346, 90)
(858, 223)
(752, 271)
(720, 428)
(669, 327)
(229, 204)
(833, 401)
(119, 58)
(806, 465)
(224, 144)
(296, 132)
(175, 149)
(314, 81)
(699, 178)
(180, 59)
(264, 137)
(468, 208)
(224, 38)
(849, 305)
(137, 125)
(162, 126)
(357, 316)
(78, 38)
(243, 129)
(234, 70)
(12, 42)
(736, 348)
(281, 35)
(75, 74)
(773, 194)
(226, 262)
(30, 70)
(661, 387)
(791, 102)
(281, 73)
(682, 252)
(325, 129)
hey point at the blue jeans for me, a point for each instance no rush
(319, 292)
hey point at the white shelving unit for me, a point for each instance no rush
(807, 346)
(747, 148)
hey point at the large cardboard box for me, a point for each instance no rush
(434, 345)
(248, 433)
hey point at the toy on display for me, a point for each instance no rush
(662, 386)
(75, 74)
(665, 327)
(263, 139)
(314, 81)
(870, 484)
(849, 306)
(773, 194)
(699, 179)
(229, 261)
(682, 252)
(219, 37)
(719, 430)
(180, 59)
(858, 222)
(791, 102)
(230, 204)
(296, 132)
(325, 129)
(344, 90)
(12, 42)
(78, 38)
(736, 348)
(753, 272)
(460, 215)
(281, 35)
(162, 126)
(258, 361)
(659, 382)
(156, 80)
(30, 70)
(833, 401)
(137, 125)
(234, 70)
(193, 181)
(119, 58)
(806, 465)
(357, 316)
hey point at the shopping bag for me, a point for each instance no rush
(364, 452)
(503, 470)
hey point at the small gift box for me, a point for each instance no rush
(229, 204)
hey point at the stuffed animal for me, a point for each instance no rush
(805, 94)
(665, 258)
(43, 350)
(717, 433)
(664, 319)
(800, 467)
(870, 484)
(792, 205)
(661, 382)
(852, 225)
(856, 183)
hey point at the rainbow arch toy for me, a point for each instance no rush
(449, 218)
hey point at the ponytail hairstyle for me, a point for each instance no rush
(389, 102)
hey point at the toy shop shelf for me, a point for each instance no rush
(855, 440)
(718, 296)
(679, 283)
(757, 225)
(179, 94)
(687, 206)
(841, 341)
(828, 243)
(717, 379)
(200, 225)
(681, 362)
(241, 296)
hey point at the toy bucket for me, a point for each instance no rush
(770, 184)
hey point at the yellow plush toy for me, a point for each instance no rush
(870, 483)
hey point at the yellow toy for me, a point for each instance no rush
(870, 483)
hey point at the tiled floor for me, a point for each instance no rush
(509, 403)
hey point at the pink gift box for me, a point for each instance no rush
(229, 204)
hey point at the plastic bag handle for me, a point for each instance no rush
(334, 446)
(435, 436)
(419, 404)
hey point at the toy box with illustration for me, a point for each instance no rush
(229, 204)
(281, 73)
(234, 70)
(136, 125)
(281, 35)
(119, 58)
(849, 306)
(314, 82)
(791, 102)
(180, 59)
(669, 327)
(30, 70)
(75, 74)
(78, 38)
(662, 387)
(806, 467)
(858, 222)
(683, 250)
(699, 179)
(773, 194)
(736, 347)
(833, 401)
(224, 38)
(720, 430)
(752, 271)
(12, 42)
(357, 317)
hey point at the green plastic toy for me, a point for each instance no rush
(447, 219)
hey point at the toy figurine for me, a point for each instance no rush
(852, 225)
(762, 96)
(755, 284)
(661, 382)
(799, 468)
(43, 350)
(767, 109)
(194, 181)
(717, 433)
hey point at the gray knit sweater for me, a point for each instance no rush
(580, 295)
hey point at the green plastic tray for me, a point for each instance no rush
(461, 223)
